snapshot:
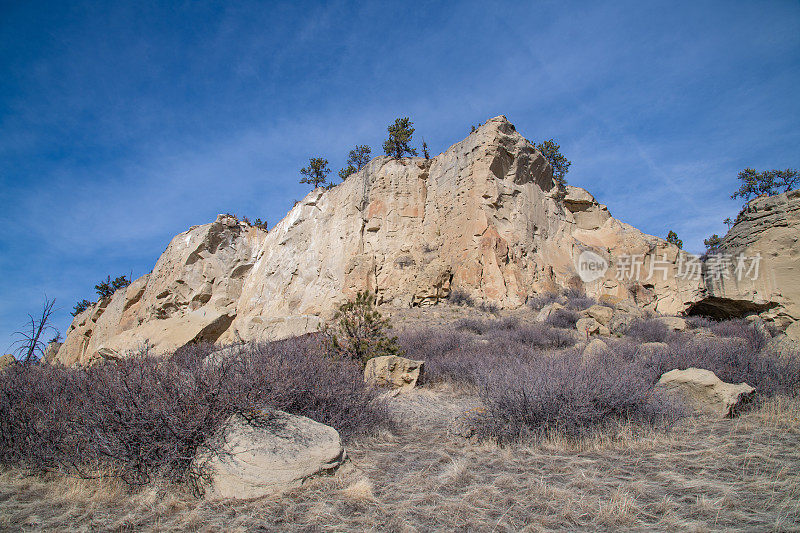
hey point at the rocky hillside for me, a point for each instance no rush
(483, 217)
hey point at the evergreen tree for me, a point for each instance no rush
(425, 153)
(672, 238)
(400, 134)
(552, 152)
(316, 172)
(712, 243)
(770, 182)
(359, 332)
(356, 159)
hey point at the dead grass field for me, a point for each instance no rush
(741, 474)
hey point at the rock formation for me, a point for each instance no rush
(265, 453)
(482, 217)
(706, 391)
(768, 228)
(393, 372)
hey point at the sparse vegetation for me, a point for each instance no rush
(316, 172)
(359, 332)
(672, 238)
(551, 150)
(143, 417)
(712, 243)
(356, 159)
(30, 345)
(769, 182)
(400, 135)
(81, 306)
(107, 288)
(563, 318)
(460, 297)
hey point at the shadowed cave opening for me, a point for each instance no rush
(726, 308)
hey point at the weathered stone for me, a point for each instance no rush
(707, 391)
(483, 217)
(673, 323)
(265, 453)
(601, 313)
(50, 352)
(590, 326)
(394, 372)
(548, 310)
(595, 348)
(767, 233)
(7, 360)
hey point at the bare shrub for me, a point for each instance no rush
(563, 318)
(538, 301)
(742, 329)
(460, 297)
(564, 395)
(144, 416)
(473, 325)
(697, 322)
(648, 330)
(489, 307)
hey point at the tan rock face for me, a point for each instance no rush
(267, 453)
(190, 295)
(480, 217)
(707, 391)
(393, 372)
(768, 228)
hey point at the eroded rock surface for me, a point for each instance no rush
(706, 391)
(264, 453)
(393, 372)
(482, 217)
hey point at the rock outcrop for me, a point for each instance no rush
(706, 391)
(191, 295)
(266, 453)
(768, 229)
(393, 372)
(484, 217)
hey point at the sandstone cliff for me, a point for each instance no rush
(482, 217)
(768, 229)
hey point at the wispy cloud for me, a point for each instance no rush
(122, 125)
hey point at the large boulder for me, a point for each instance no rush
(265, 452)
(706, 391)
(393, 372)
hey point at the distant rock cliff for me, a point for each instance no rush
(482, 217)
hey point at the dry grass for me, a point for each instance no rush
(741, 474)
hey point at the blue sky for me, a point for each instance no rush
(122, 124)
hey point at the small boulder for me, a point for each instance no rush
(674, 323)
(547, 310)
(394, 372)
(601, 313)
(7, 360)
(596, 348)
(590, 326)
(265, 452)
(707, 392)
